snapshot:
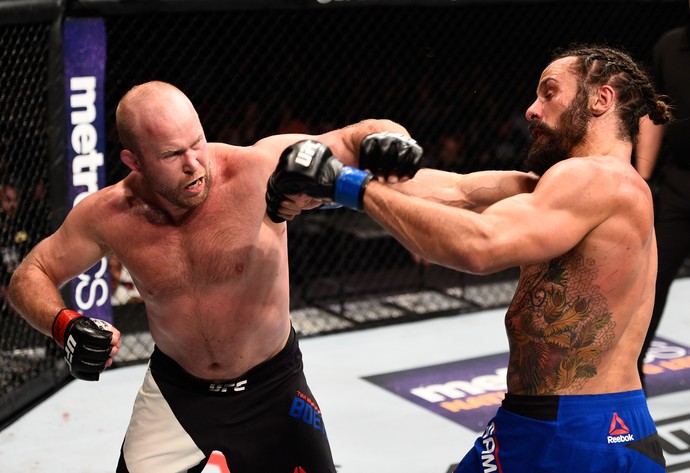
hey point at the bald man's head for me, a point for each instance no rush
(146, 107)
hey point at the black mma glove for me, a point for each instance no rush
(85, 342)
(390, 153)
(309, 166)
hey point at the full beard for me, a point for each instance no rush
(557, 144)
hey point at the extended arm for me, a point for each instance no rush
(475, 191)
(521, 229)
(388, 155)
(343, 142)
(527, 227)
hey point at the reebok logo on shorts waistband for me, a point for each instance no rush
(619, 432)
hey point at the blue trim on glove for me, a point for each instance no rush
(349, 186)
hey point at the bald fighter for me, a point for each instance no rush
(189, 223)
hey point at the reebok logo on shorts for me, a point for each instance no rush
(619, 432)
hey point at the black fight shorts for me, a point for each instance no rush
(264, 421)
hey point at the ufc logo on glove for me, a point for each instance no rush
(307, 152)
(69, 350)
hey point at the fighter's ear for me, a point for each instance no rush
(602, 100)
(131, 160)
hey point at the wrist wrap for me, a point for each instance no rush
(349, 188)
(60, 323)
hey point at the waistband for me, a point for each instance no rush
(548, 407)
(165, 368)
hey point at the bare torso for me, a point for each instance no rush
(215, 285)
(576, 323)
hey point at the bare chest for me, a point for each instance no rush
(220, 246)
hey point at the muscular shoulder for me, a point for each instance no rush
(90, 219)
(233, 159)
(597, 176)
(601, 186)
(105, 203)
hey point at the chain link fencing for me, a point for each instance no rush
(457, 75)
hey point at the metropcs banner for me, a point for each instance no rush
(470, 391)
(84, 42)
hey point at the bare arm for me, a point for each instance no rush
(343, 142)
(34, 286)
(648, 146)
(521, 229)
(475, 191)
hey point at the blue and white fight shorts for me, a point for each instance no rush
(604, 433)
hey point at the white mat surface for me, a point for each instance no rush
(372, 430)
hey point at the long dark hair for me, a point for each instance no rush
(636, 96)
